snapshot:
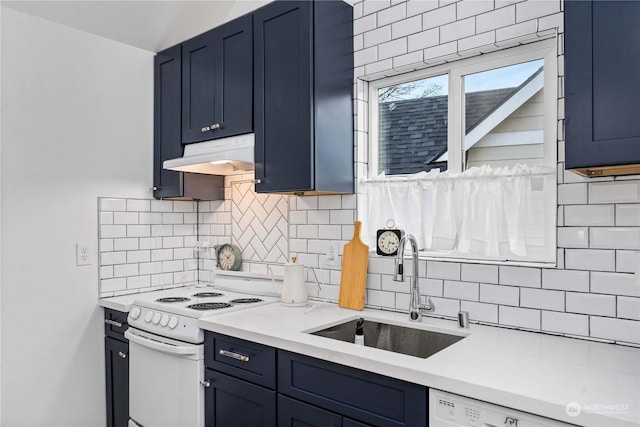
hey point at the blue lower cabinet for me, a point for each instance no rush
(231, 402)
(293, 413)
(359, 395)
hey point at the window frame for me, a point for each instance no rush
(545, 50)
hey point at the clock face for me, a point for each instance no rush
(388, 242)
(226, 257)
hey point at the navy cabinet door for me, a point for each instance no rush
(117, 379)
(602, 63)
(293, 413)
(217, 82)
(198, 88)
(167, 121)
(283, 96)
(233, 47)
(231, 402)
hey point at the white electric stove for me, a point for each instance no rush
(166, 350)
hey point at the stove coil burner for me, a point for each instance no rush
(209, 306)
(245, 300)
(207, 294)
(173, 299)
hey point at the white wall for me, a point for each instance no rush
(76, 124)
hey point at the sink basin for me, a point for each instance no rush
(399, 339)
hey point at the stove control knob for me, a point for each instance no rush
(156, 318)
(135, 313)
(148, 316)
(164, 320)
(173, 322)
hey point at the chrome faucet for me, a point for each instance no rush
(415, 308)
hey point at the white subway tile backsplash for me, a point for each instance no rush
(183, 206)
(137, 282)
(572, 194)
(341, 217)
(381, 265)
(112, 285)
(110, 258)
(392, 14)
(138, 205)
(628, 308)
(184, 230)
(161, 254)
(462, 290)
(307, 232)
(535, 9)
(614, 284)
(406, 27)
(520, 276)
(138, 231)
(614, 192)
(393, 48)
(378, 36)
(468, 8)
(112, 205)
(124, 270)
(565, 280)
(542, 298)
(446, 307)
(431, 287)
(496, 19)
(415, 7)
(480, 312)
(589, 215)
(172, 218)
(443, 270)
(615, 238)
(113, 231)
(149, 268)
(479, 273)
(438, 17)
(106, 218)
(106, 245)
(498, 294)
(628, 215)
(384, 299)
(318, 217)
(371, 6)
(423, 40)
(617, 329)
(126, 244)
(106, 272)
(590, 259)
(626, 261)
(457, 30)
(573, 237)
(161, 230)
(150, 218)
(565, 323)
(519, 317)
(373, 281)
(173, 242)
(330, 202)
(594, 304)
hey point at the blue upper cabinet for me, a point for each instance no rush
(602, 63)
(303, 102)
(217, 82)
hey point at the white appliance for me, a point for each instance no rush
(294, 287)
(448, 409)
(166, 352)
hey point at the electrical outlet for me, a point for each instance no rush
(332, 253)
(83, 254)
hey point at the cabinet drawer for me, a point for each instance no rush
(115, 323)
(250, 361)
(371, 398)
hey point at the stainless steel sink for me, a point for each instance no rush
(399, 339)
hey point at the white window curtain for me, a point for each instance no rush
(483, 213)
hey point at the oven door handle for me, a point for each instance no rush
(160, 345)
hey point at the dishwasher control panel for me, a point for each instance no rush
(448, 409)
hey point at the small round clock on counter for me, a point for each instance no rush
(388, 239)
(228, 256)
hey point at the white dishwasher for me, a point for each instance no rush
(448, 409)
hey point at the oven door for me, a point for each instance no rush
(164, 381)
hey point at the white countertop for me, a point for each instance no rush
(532, 372)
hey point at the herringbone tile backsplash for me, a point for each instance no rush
(259, 224)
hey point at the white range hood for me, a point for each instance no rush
(225, 156)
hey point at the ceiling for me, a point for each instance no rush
(149, 25)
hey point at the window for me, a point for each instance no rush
(463, 156)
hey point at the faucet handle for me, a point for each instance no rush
(426, 304)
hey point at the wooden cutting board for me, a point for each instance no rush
(353, 279)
